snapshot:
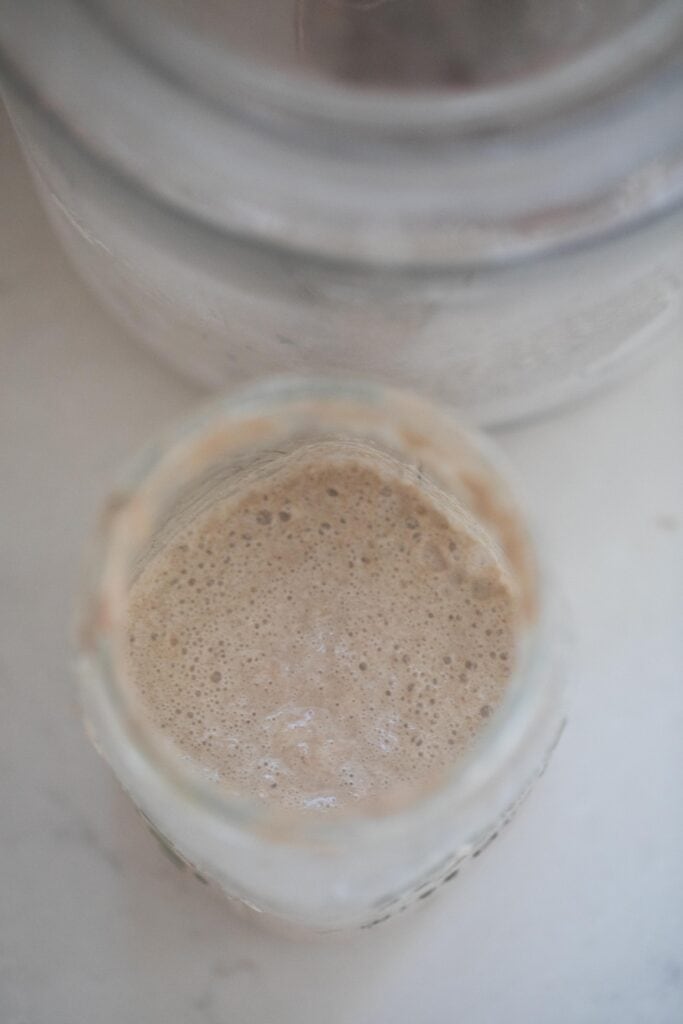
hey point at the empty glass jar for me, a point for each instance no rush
(480, 199)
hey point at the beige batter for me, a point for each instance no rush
(327, 638)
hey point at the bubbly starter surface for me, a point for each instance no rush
(326, 638)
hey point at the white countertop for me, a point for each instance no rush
(575, 915)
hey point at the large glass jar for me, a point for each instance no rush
(480, 199)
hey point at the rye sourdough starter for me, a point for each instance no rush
(332, 637)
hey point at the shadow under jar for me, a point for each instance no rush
(305, 864)
(479, 199)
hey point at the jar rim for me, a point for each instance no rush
(482, 769)
(592, 149)
(216, 73)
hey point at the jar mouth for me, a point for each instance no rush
(194, 47)
(482, 769)
(568, 157)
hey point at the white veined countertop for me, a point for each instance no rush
(574, 915)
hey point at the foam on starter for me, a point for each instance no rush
(327, 638)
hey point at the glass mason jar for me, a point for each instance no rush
(481, 200)
(309, 869)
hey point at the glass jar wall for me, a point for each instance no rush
(246, 197)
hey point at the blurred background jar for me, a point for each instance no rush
(481, 199)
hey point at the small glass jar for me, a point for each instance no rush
(310, 870)
(503, 230)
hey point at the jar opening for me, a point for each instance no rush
(254, 425)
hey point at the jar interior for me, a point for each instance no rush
(230, 457)
(391, 44)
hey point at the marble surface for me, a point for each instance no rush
(575, 915)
